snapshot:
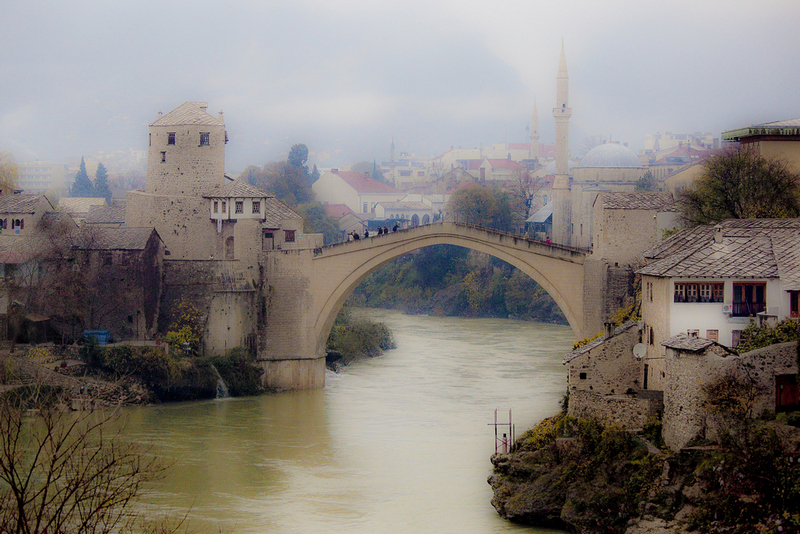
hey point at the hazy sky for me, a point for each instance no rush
(345, 76)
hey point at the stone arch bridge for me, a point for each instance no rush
(305, 289)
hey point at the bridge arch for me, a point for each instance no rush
(340, 268)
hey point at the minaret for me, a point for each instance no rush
(561, 196)
(533, 152)
(391, 151)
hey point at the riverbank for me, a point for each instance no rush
(126, 375)
(580, 475)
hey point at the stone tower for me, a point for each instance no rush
(186, 152)
(533, 152)
(561, 193)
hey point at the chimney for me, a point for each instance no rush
(718, 233)
(221, 119)
(159, 113)
(203, 106)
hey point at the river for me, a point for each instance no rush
(395, 444)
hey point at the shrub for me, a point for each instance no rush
(238, 370)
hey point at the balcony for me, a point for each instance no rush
(746, 309)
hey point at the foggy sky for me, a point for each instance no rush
(346, 76)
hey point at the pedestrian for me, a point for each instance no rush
(548, 240)
(366, 234)
(395, 227)
(355, 236)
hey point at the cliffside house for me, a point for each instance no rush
(712, 281)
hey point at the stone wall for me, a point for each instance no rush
(607, 366)
(182, 222)
(628, 411)
(685, 416)
(224, 293)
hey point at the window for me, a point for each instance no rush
(794, 303)
(170, 138)
(749, 298)
(713, 335)
(582, 376)
(288, 236)
(216, 206)
(204, 138)
(256, 206)
(224, 207)
(697, 292)
(420, 173)
(736, 337)
(239, 206)
(365, 208)
(163, 157)
(650, 291)
(651, 337)
(405, 173)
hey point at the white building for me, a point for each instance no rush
(356, 190)
(711, 281)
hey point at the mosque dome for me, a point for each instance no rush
(611, 155)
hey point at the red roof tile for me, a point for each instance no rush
(363, 184)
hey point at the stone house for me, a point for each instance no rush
(604, 379)
(625, 224)
(79, 207)
(714, 280)
(20, 214)
(693, 362)
(121, 269)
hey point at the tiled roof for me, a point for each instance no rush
(691, 344)
(337, 210)
(364, 184)
(238, 189)
(643, 200)
(20, 203)
(193, 113)
(504, 164)
(597, 342)
(106, 215)
(114, 238)
(747, 248)
(80, 204)
(276, 211)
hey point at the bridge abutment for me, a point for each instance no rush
(287, 345)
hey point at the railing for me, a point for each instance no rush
(746, 309)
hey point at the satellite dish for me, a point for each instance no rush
(639, 350)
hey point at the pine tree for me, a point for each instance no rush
(101, 188)
(82, 187)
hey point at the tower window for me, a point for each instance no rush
(163, 157)
(171, 138)
(204, 138)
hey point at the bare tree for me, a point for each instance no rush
(64, 471)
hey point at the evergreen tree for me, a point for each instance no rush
(82, 187)
(314, 174)
(101, 188)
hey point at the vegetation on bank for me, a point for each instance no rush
(447, 280)
(354, 337)
(590, 477)
(176, 376)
